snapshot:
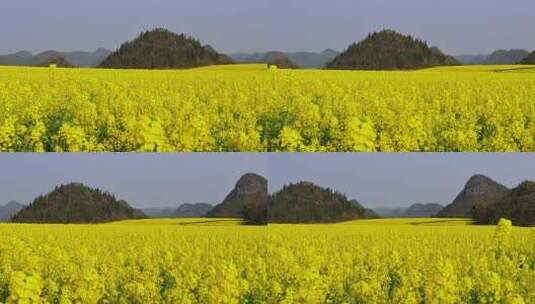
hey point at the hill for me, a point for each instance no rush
(76, 58)
(518, 206)
(183, 211)
(13, 59)
(413, 211)
(478, 190)
(300, 59)
(389, 50)
(313, 60)
(251, 188)
(25, 58)
(59, 61)
(162, 49)
(9, 210)
(423, 210)
(530, 59)
(159, 212)
(280, 60)
(506, 57)
(366, 213)
(193, 210)
(50, 57)
(76, 203)
(497, 57)
(450, 60)
(87, 59)
(390, 212)
(305, 202)
(471, 59)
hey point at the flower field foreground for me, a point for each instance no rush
(182, 261)
(252, 108)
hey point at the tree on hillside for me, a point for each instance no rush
(255, 212)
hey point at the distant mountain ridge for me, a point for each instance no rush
(423, 210)
(301, 59)
(390, 212)
(159, 212)
(512, 56)
(279, 60)
(471, 59)
(75, 58)
(506, 57)
(193, 210)
(9, 210)
(415, 210)
(182, 211)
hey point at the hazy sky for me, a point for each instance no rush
(145, 180)
(456, 26)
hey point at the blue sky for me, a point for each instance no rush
(399, 179)
(458, 27)
(145, 180)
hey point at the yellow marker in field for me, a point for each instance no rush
(53, 66)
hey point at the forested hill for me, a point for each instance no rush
(390, 50)
(305, 202)
(76, 203)
(530, 59)
(162, 49)
(506, 57)
(518, 206)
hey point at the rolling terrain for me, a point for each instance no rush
(74, 58)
